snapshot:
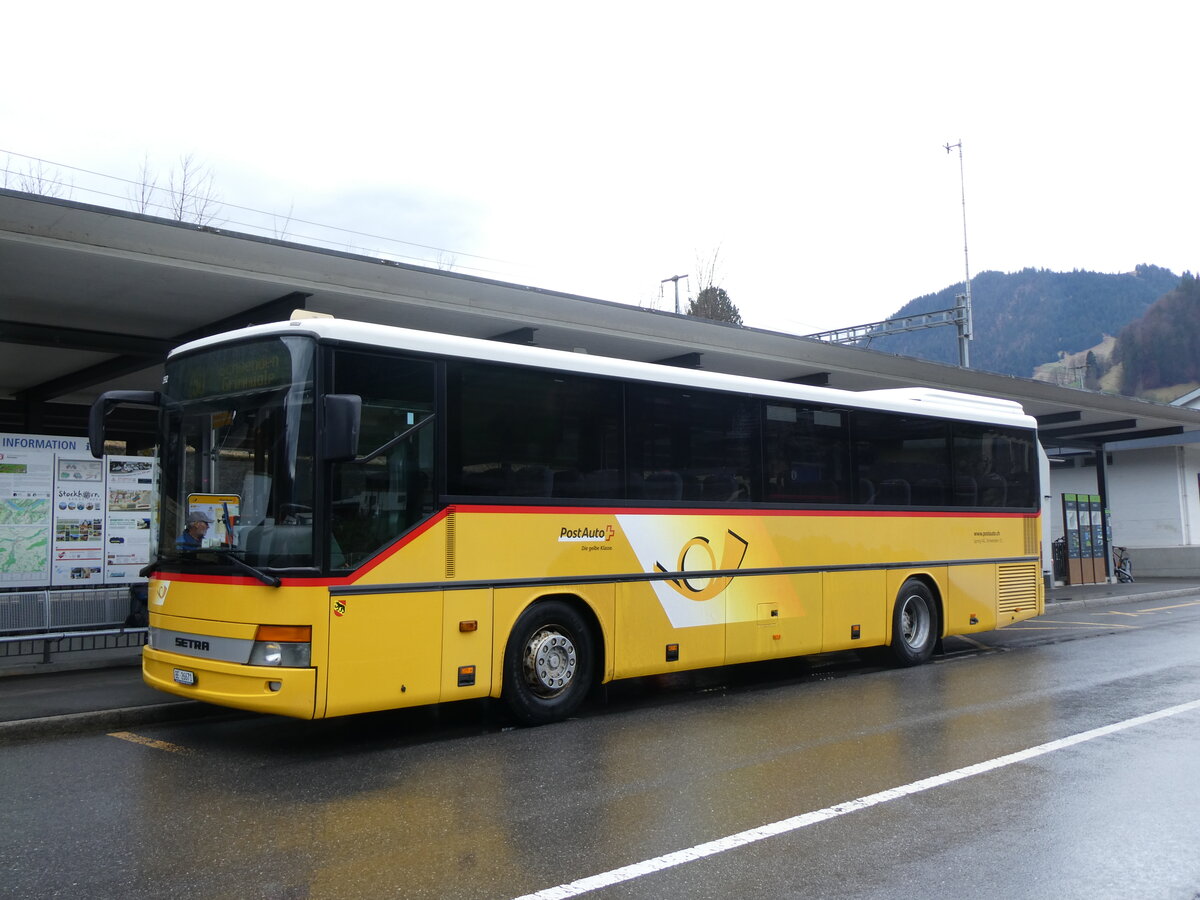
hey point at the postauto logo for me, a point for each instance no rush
(586, 534)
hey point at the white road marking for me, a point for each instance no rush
(973, 642)
(1054, 622)
(733, 841)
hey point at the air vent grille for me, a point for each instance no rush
(1033, 535)
(1017, 588)
(451, 542)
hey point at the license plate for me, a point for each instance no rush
(183, 676)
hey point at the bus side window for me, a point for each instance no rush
(532, 433)
(807, 454)
(693, 446)
(902, 460)
(377, 500)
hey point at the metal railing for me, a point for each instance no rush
(45, 611)
(42, 622)
(46, 644)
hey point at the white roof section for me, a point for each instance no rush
(916, 401)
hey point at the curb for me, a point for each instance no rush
(1112, 599)
(67, 665)
(106, 719)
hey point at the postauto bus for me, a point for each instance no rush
(399, 518)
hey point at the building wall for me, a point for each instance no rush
(1146, 498)
(1153, 495)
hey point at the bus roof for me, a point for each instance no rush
(914, 400)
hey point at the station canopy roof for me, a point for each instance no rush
(91, 299)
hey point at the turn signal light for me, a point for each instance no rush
(292, 634)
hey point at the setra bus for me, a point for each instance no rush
(397, 518)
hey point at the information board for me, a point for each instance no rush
(68, 519)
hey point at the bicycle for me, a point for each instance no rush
(1122, 565)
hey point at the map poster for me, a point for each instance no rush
(129, 487)
(77, 544)
(26, 485)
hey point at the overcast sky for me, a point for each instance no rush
(600, 148)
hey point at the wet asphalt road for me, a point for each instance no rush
(453, 802)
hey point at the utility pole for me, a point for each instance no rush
(964, 299)
(674, 278)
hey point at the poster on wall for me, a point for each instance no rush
(26, 488)
(128, 521)
(77, 546)
(70, 520)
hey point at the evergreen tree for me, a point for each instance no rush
(1162, 348)
(714, 303)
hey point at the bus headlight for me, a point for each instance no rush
(282, 645)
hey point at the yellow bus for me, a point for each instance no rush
(356, 517)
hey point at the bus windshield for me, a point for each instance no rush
(237, 459)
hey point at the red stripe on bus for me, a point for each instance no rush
(400, 544)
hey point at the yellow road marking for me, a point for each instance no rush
(1162, 608)
(1142, 612)
(149, 742)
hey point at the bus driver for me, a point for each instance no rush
(195, 530)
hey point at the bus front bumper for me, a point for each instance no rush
(267, 689)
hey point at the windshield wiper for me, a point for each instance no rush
(239, 563)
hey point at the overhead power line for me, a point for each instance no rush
(279, 222)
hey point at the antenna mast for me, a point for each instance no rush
(964, 299)
(674, 278)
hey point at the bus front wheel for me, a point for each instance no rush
(547, 663)
(914, 624)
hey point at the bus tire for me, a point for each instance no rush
(914, 624)
(547, 663)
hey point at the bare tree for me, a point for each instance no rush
(652, 301)
(706, 269)
(36, 179)
(141, 193)
(280, 228)
(191, 196)
(445, 261)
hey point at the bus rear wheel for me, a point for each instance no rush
(914, 624)
(547, 663)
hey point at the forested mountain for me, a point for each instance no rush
(1162, 348)
(1024, 319)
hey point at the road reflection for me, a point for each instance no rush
(446, 804)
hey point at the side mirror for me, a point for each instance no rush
(100, 410)
(339, 434)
